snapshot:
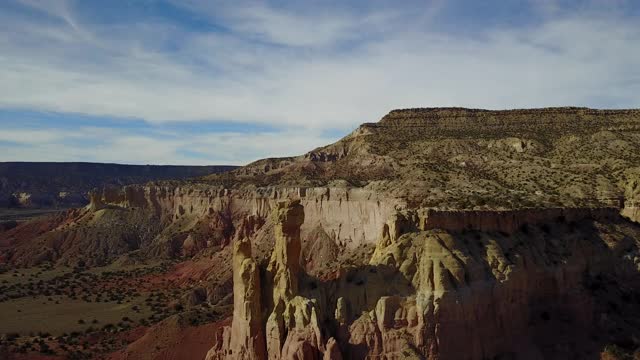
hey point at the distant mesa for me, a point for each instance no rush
(63, 185)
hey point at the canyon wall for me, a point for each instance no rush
(433, 293)
(507, 221)
(173, 221)
(349, 216)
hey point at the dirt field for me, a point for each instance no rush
(24, 214)
(57, 314)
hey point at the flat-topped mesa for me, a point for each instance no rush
(559, 118)
(455, 112)
(545, 110)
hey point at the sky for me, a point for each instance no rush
(199, 82)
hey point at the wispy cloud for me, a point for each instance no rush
(150, 146)
(306, 69)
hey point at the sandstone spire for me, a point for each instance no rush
(285, 259)
(284, 267)
(292, 330)
(246, 338)
(95, 200)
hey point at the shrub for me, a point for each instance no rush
(613, 351)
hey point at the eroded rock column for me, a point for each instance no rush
(245, 339)
(285, 259)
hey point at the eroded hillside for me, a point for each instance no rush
(466, 158)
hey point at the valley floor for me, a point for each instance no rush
(16, 214)
(93, 313)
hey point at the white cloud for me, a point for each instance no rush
(305, 71)
(315, 28)
(153, 147)
(29, 137)
(563, 61)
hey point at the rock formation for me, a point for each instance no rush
(431, 293)
(438, 233)
(631, 208)
(245, 339)
(462, 167)
(291, 330)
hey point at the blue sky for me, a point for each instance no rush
(228, 82)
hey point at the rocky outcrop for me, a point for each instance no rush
(169, 221)
(183, 221)
(502, 221)
(350, 217)
(95, 200)
(507, 221)
(631, 185)
(292, 330)
(431, 293)
(245, 339)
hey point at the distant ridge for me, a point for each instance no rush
(550, 109)
(65, 184)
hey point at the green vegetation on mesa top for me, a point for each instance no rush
(473, 159)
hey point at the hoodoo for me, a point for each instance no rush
(245, 338)
(425, 292)
(291, 330)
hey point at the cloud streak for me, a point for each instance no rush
(302, 70)
(99, 144)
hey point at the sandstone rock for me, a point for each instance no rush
(95, 200)
(284, 266)
(430, 293)
(631, 209)
(245, 339)
(333, 350)
(292, 330)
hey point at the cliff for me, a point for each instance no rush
(443, 295)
